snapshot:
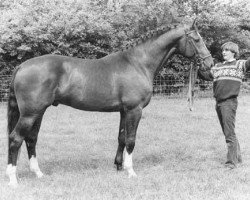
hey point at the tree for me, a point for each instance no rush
(95, 28)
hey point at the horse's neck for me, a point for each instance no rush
(152, 54)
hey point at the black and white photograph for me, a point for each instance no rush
(125, 99)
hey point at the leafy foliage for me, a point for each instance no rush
(95, 28)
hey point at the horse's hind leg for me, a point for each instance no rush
(15, 142)
(132, 120)
(121, 142)
(23, 126)
(31, 140)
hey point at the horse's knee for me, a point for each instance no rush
(27, 124)
(130, 144)
(15, 142)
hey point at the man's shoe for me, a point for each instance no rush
(230, 166)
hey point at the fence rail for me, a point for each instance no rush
(4, 87)
(169, 87)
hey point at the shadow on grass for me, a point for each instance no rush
(81, 165)
(150, 160)
(72, 164)
(67, 165)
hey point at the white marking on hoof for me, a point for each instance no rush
(11, 172)
(131, 173)
(13, 184)
(34, 167)
(128, 164)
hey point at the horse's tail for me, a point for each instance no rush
(13, 110)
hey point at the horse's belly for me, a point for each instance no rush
(109, 95)
(93, 102)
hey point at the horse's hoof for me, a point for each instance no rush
(13, 184)
(39, 174)
(119, 167)
(131, 173)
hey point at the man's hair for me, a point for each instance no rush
(231, 46)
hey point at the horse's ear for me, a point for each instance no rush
(194, 26)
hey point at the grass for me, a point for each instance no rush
(178, 155)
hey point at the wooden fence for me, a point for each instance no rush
(169, 87)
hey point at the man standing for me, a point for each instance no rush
(227, 78)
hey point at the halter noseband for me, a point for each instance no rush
(200, 58)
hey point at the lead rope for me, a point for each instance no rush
(190, 96)
(191, 84)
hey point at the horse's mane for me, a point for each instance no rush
(151, 34)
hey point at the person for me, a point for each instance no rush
(227, 78)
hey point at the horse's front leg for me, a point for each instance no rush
(121, 142)
(132, 120)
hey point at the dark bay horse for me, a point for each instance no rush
(120, 82)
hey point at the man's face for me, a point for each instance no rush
(227, 55)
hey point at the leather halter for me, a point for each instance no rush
(189, 39)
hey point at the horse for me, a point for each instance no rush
(119, 82)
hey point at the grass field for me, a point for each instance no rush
(178, 155)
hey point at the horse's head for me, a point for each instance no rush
(191, 44)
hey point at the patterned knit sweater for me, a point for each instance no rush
(227, 78)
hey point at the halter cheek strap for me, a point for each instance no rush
(200, 58)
